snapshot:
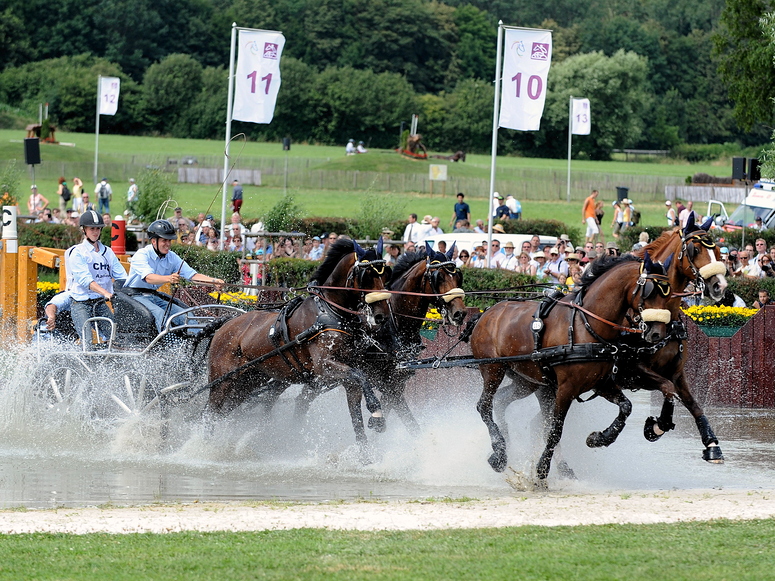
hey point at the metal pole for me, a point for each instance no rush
(97, 130)
(495, 111)
(228, 133)
(570, 133)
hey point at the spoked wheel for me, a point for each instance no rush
(61, 388)
(136, 398)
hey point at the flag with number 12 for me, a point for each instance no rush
(527, 55)
(257, 78)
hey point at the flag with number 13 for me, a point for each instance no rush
(257, 78)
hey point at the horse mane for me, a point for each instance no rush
(408, 260)
(602, 265)
(656, 246)
(404, 264)
(336, 252)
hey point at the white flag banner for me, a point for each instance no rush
(581, 122)
(257, 79)
(526, 59)
(108, 97)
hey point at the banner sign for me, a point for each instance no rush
(257, 79)
(581, 122)
(108, 97)
(437, 173)
(526, 60)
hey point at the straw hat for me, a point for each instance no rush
(499, 229)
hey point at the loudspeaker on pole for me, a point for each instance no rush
(32, 151)
(738, 168)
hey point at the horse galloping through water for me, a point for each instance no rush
(315, 340)
(419, 279)
(699, 262)
(568, 346)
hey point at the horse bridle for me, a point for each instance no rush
(358, 272)
(689, 250)
(433, 270)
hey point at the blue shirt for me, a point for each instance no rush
(462, 210)
(146, 262)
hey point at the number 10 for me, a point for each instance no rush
(534, 85)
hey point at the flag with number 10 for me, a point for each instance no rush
(527, 55)
(257, 78)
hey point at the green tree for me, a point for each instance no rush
(155, 188)
(745, 61)
(169, 89)
(475, 49)
(617, 88)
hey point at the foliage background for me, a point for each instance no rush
(659, 73)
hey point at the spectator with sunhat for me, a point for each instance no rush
(556, 267)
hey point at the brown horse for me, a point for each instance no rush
(660, 367)
(419, 280)
(570, 346)
(313, 340)
(699, 262)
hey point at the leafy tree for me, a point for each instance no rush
(155, 188)
(285, 216)
(617, 88)
(476, 44)
(169, 87)
(745, 57)
(9, 184)
(15, 46)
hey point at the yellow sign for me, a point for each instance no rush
(438, 173)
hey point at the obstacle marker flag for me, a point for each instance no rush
(108, 97)
(257, 78)
(581, 121)
(526, 59)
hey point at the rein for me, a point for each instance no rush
(601, 319)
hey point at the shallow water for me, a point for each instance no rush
(86, 453)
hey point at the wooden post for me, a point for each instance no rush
(26, 293)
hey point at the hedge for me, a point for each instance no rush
(216, 264)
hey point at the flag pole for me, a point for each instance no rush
(97, 130)
(570, 133)
(496, 103)
(230, 98)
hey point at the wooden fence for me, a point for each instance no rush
(737, 371)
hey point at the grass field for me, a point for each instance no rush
(718, 550)
(344, 203)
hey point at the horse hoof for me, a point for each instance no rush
(713, 455)
(498, 462)
(378, 424)
(648, 430)
(596, 440)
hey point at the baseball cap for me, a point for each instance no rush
(206, 224)
(316, 238)
(554, 251)
(178, 209)
(209, 217)
(724, 250)
(668, 203)
(612, 245)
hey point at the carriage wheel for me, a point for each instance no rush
(136, 398)
(61, 388)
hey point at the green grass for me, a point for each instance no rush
(686, 551)
(258, 200)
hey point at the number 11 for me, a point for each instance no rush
(268, 78)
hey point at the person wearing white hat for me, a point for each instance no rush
(672, 217)
(556, 268)
(350, 147)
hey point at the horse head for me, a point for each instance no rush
(651, 295)
(445, 280)
(369, 273)
(700, 254)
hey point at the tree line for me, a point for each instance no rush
(357, 69)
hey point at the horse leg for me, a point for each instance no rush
(562, 403)
(493, 375)
(394, 397)
(609, 435)
(655, 428)
(712, 452)
(545, 397)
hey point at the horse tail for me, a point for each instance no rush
(207, 334)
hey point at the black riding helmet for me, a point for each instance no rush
(162, 229)
(92, 219)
